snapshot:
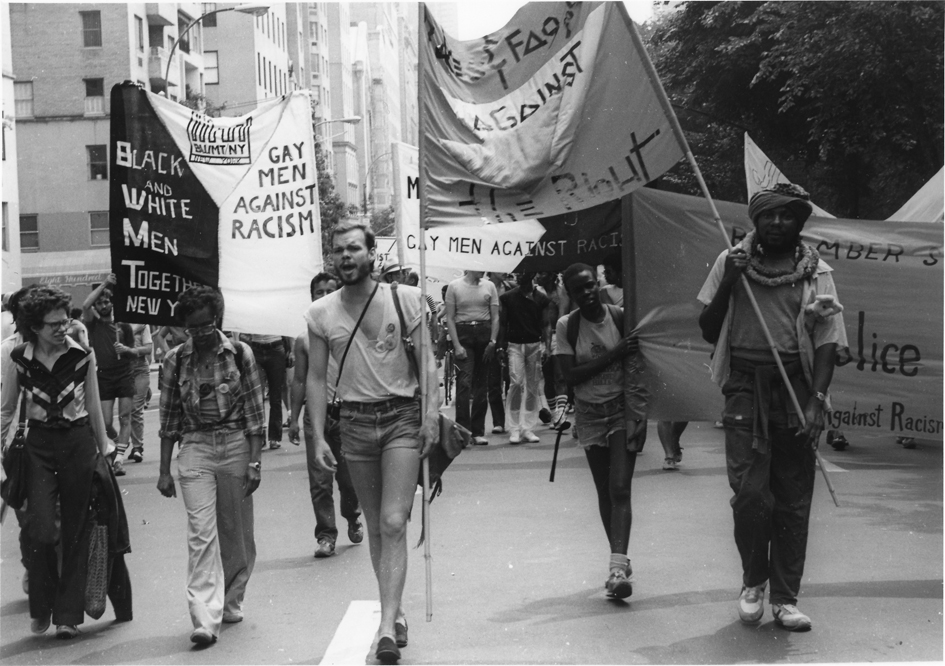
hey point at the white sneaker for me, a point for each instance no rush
(789, 617)
(751, 603)
(515, 437)
(531, 437)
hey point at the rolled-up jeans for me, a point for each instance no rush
(320, 482)
(220, 543)
(524, 398)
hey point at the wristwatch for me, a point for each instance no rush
(820, 396)
(256, 466)
(491, 342)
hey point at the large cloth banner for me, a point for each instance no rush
(478, 247)
(226, 202)
(889, 278)
(551, 114)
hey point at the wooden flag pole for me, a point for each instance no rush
(424, 340)
(681, 138)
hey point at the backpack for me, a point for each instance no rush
(574, 324)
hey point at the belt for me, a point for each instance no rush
(473, 323)
(58, 423)
(388, 405)
(266, 345)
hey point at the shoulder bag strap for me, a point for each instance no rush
(353, 333)
(405, 336)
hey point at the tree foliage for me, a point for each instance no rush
(845, 97)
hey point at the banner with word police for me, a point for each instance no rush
(555, 112)
(226, 202)
(889, 279)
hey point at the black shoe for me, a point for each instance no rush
(400, 632)
(838, 441)
(387, 652)
(355, 531)
(136, 455)
(544, 415)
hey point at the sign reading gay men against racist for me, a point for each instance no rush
(227, 202)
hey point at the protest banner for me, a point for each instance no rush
(553, 113)
(889, 278)
(481, 247)
(226, 202)
(761, 173)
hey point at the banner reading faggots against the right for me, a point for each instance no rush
(889, 277)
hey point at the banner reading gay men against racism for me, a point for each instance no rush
(553, 113)
(489, 247)
(227, 202)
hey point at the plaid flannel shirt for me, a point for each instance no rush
(180, 399)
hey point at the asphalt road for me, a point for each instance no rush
(518, 566)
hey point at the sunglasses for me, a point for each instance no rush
(200, 331)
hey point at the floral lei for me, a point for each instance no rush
(806, 259)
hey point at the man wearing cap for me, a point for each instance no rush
(770, 448)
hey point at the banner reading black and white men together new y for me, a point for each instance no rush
(227, 202)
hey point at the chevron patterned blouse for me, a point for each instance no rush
(56, 397)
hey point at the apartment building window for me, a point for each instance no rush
(23, 98)
(91, 28)
(182, 23)
(6, 227)
(98, 223)
(94, 96)
(29, 233)
(211, 67)
(259, 74)
(210, 21)
(139, 34)
(98, 162)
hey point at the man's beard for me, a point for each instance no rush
(362, 273)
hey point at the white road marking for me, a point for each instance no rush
(354, 636)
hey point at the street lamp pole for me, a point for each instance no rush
(252, 8)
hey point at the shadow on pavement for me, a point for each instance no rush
(585, 603)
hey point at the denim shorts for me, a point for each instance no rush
(369, 429)
(598, 421)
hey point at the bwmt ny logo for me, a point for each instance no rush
(210, 144)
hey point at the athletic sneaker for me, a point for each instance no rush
(618, 585)
(789, 617)
(515, 437)
(273, 445)
(136, 455)
(530, 437)
(118, 467)
(669, 464)
(498, 430)
(325, 548)
(751, 603)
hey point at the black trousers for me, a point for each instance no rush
(61, 463)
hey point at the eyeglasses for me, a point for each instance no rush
(199, 331)
(60, 325)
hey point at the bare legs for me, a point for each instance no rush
(386, 490)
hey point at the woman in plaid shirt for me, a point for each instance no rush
(212, 402)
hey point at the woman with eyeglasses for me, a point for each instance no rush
(212, 402)
(66, 435)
